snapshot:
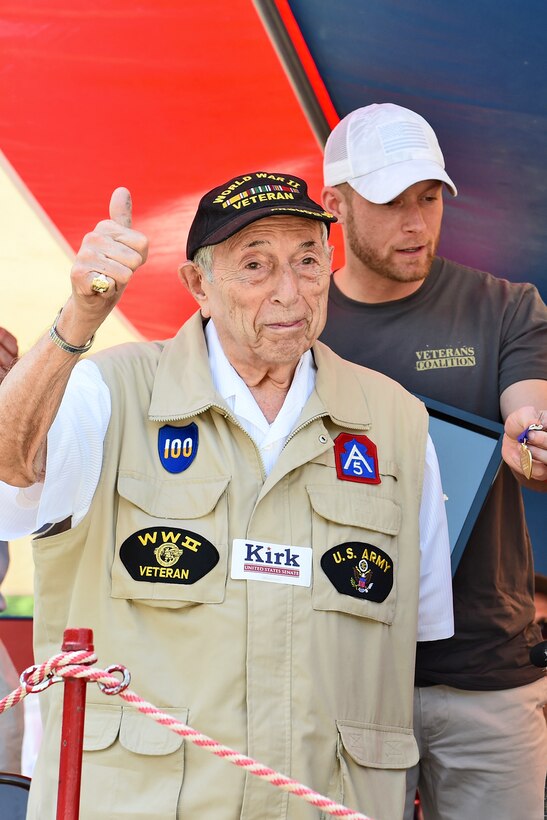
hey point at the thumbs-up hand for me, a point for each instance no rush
(110, 254)
(104, 265)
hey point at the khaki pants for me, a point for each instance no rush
(483, 755)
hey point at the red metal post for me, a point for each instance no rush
(72, 732)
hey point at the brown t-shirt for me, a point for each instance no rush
(462, 339)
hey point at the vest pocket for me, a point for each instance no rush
(372, 763)
(132, 766)
(355, 551)
(171, 540)
(379, 747)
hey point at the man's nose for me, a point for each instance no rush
(413, 218)
(287, 283)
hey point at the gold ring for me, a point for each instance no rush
(100, 283)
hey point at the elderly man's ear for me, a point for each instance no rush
(192, 278)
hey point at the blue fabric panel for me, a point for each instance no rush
(476, 70)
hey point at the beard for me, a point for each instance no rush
(384, 265)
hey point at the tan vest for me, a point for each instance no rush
(308, 680)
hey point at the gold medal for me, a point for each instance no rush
(525, 460)
(525, 454)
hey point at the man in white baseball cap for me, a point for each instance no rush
(468, 339)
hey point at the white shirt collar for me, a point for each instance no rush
(240, 400)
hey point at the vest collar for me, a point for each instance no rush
(183, 386)
(339, 388)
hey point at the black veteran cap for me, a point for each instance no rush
(228, 208)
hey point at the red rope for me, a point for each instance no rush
(70, 665)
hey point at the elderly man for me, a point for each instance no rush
(237, 513)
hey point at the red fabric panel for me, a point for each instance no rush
(167, 98)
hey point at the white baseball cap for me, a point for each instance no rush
(382, 149)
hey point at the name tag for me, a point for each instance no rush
(277, 563)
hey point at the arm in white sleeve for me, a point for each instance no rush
(74, 460)
(435, 611)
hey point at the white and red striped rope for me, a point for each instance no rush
(70, 665)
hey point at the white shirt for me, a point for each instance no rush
(269, 438)
(74, 459)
